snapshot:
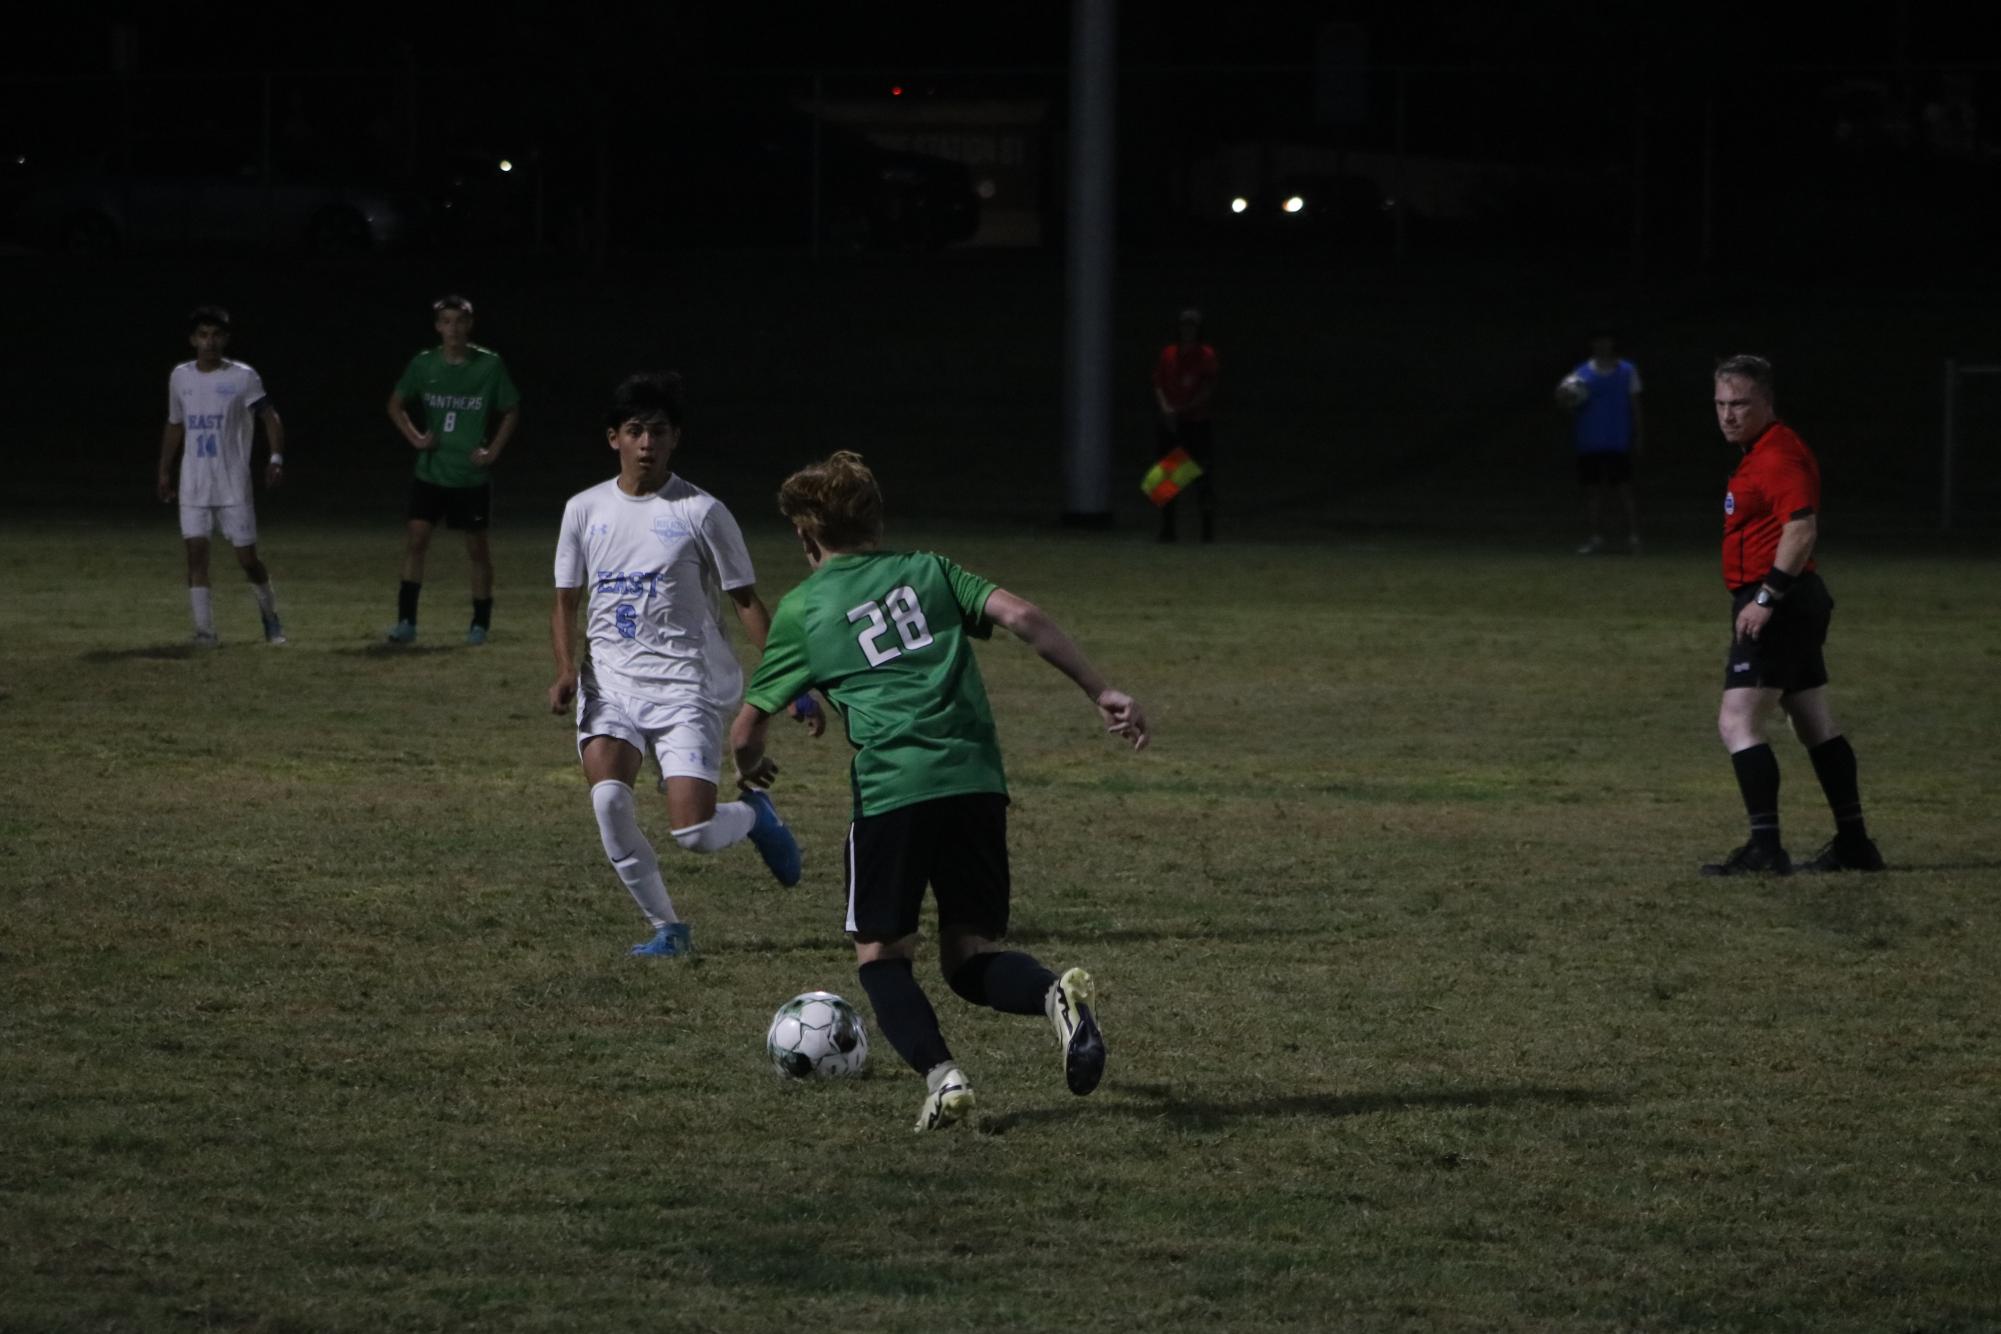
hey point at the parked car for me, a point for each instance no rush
(1322, 207)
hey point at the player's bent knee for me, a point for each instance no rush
(703, 837)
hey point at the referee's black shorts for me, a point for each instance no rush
(956, 845)
(1786, 655)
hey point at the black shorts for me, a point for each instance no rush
(469, 508)
(1787, 654)
(957, 845)
(1604, 467)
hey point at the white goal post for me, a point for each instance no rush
(1949, 443)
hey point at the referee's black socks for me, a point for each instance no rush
(406, 601)
(482, 613)
(1758, 779)
(904, 1014)
(1834, 764)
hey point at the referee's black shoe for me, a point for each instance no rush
(1753, 859)
(1841, 854)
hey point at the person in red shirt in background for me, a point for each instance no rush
(1184, 385)
(1780, 610)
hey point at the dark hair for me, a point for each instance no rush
(648, 394)
(451, 301)
(1604, 331)
(837, 503)
(1745, 366)
(215, 316)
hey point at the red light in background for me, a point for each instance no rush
(896, 90)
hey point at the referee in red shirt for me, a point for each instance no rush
(1780, 610)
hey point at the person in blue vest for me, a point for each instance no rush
(1603, 394)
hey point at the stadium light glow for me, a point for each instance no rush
(1239, 204)
(1295, 205)
(506, 165)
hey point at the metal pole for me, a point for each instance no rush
(1087, 403)
(1948, 445)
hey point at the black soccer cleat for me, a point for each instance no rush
(1752, 859)
(1844, 855)
(1069, 1010)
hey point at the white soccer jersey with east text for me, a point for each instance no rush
(654, 570)
(217, 408)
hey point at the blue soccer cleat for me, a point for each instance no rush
(403, 632)
(476, 635)
(773, 840)
(669, 942)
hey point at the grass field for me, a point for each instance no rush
(317, 1016)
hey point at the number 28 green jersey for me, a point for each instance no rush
(887, 636)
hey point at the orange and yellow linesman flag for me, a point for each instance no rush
(1170, 477)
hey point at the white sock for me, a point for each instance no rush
(198, 601)
(631, 855)
(729, 826)
(267, 601)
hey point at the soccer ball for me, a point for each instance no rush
(817, 1036)
(1572, 392)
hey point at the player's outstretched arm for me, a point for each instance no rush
(754, 768)
(563, 641)
(171, 440)
(1030, 624)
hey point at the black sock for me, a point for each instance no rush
(482, 613)
(406, 602)
(1011, 982)
(1758, 779)
(1834, 764)
(904, 1014)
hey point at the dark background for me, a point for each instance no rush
(1821, 191)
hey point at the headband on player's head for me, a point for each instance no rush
(451, 301)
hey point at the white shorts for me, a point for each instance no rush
(238, 522)
(684, 736)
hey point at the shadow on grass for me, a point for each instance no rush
(143, 653)
(1162, 1102)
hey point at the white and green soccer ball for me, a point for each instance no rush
(817, 1035)
(1572, 392)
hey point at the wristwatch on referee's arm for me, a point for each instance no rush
(1775, 585)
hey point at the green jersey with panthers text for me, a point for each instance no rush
(458, 402)
(887, 635)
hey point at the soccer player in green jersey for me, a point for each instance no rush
(461, 387)
(887, 635)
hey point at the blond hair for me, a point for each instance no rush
(836, 503)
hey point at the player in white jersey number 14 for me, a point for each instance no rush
(647, 559)
(213, 405)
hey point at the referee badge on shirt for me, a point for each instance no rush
(1729, 502)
